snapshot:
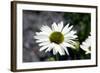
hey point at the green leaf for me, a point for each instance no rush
(51, 59)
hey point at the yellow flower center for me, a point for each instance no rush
(56, 37)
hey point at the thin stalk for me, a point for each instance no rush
(57, 57)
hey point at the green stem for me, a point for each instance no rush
(57, 57)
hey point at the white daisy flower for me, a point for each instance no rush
(56, 38)
(86, 45)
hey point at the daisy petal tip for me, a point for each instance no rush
(40, 50)
(37, 33)
(54, 23)
(87, 53)
(61, 22)
(62, 54)
(68, 24)
(35, 37)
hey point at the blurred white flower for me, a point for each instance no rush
(56, 38)
(86, 45)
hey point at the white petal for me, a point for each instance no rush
(54, 52)
(86, 45)
(68, 45)
(87, 52)
(69, 29)
(66, 38)
(42, 40)
(44, 43)
(54, 27)
(71, 33)
(46, 29)
(40, 37)
(65, 48)
(42, 33)
(60, 26)
(48, 49)
(70, 41)
(65, 29)
(51, 46)
(44, 47)
(59, 49)
(85, 48)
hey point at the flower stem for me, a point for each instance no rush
(57, 57)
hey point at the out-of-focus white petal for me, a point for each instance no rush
(46, 29)
(86, 45)
(42, 33)
(88, 52)
(70, 41)
(59, 49)
(70, 37)
(44, 43)
(41, 37)
(66, 50)
(68, 45)
(54, 52)
(54, 27)
(44, 47)
(70, 33)
(60, 26)
(66, 29)
(51, 46)
(42, 40)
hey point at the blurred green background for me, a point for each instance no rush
(82, 24)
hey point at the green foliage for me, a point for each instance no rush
(51, 59)
(81, 22)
